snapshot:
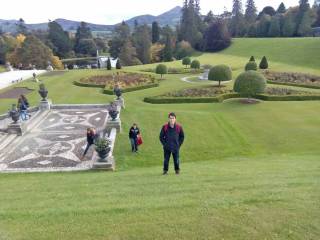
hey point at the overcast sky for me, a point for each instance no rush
(107, 11)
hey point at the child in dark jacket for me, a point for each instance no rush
(91, 138)
(133, 136)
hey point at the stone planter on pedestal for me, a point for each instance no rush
(44, 103)
(15, 127)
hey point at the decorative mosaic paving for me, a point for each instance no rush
(56, 143)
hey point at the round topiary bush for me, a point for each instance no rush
(195, 64)
(264, 63)
(251, 66)
(220, 73)
(250, 83)
(161, 69)
(186, 61)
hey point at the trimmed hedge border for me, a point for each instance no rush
(80, 84)
(293, 84)
(221, 98)
(131, 89)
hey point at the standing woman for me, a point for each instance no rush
(133, 135)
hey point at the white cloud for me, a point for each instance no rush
(106, 11)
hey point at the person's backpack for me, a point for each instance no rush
(166, 126)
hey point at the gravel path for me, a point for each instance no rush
(10, 78)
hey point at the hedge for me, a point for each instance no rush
(221, 98)
(293, 84)
(109, 91)
(91, 85)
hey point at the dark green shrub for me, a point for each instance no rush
(264, 63)
(220, 73)
(252, 59)
(186, 61)
(195, 64)
(109, 64)
(251, 66)
(118, 64)
(250, 83)
(161, 69)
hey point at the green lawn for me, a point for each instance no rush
(247, 172)
(2, 69)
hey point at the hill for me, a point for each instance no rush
(170, 17)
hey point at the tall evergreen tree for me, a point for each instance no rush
(142, 43)
(302, 17)
(128, 54)
(317, 7)
(60, 40)
(237, 20)
(155, 32)
(282, 8)
(84, 41)
(304, 28)
(263, 26)
(121, 35)
(209, 18)
(251, 11)
(167, 51)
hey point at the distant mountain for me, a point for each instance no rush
(170, 18)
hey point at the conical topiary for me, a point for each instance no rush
(252, 59)
(264, 63)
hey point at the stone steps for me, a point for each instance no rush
(5, 140)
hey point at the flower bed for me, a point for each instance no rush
(292, 79)
(127, 82)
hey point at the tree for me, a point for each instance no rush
(195, 64)
(183, 49)
(282, 8)
(155, 32)
(274, 29)
(128, 54)
(186, 61)
(317, 22)
(191, 24)
(33, 52)
(21, 27)
(209, 18)
(302, 16)
(237, 24)
(118, 64)
(84, 43)
(161, 69)
(264, 63)
(167, 51)
(304, 28)
(250, 83)
(252, 59)
(156, 52)
(220, 73)
(142, 43)
(251, 11)
(3, 50)
(217, 37)
(60, 39)
(263, 26)
(288, 27)
(109, 64)
(121, 35)
(268, 10)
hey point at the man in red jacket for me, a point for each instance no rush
(171, 138)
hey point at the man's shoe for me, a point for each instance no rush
(165, 173)
(177, 172)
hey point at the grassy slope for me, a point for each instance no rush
(2, 69)
(248, 172)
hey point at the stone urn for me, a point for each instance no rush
(113, 111)
(14, 113)
(43, 92)
(103, 148)
(117, 91)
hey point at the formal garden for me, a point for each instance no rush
(249, 169)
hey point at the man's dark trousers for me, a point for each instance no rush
(175, 155)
